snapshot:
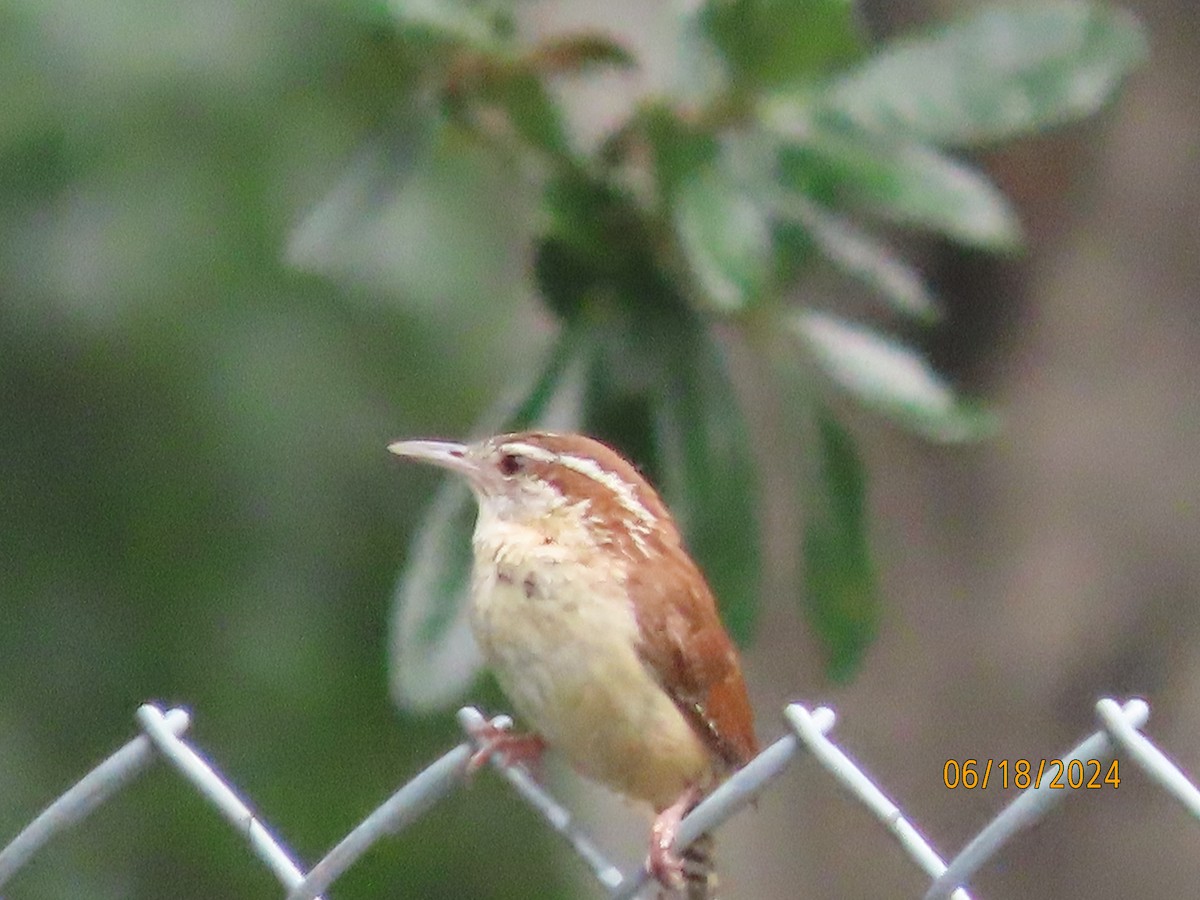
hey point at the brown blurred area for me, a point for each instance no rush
(1055, 564)
(1026, 577)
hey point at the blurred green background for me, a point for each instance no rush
(196, 506)
(207, 337)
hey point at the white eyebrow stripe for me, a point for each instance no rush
(531, 450)
(625, 493)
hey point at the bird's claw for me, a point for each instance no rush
(666, 867)
(493, 740)
(663, 862)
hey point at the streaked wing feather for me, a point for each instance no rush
(687, 648)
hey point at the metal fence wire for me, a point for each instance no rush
(1119, 737)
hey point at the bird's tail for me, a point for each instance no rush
(699, 873)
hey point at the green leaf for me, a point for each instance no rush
(620, 391)
(769, 43)
(593, 244)
(418, 212)
(1005, 70)
(434, 657)
(554, 400)
(680, 148)
(384, 167)
(710, 477)
(577, 210)
(533, 111)
(841, 594)
(863, 257)
(659, 390)
(891, 378)
(899, 180)
(481, 26)
(725, 238)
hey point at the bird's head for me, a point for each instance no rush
(529, 476)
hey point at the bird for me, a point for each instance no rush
(601, 631)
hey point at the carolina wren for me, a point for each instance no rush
(600, 628)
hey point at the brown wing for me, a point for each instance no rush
(683, 641)
(686, 647)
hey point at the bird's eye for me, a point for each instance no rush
(510, 464)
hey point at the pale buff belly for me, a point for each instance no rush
(566, 659)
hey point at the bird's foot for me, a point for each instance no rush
(664, 862)
(495, 741)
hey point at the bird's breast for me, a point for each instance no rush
(556, 626)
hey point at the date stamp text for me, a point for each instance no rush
(1076, 774)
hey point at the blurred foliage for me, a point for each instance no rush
(243, 246)
(195, 501)
(708, 206)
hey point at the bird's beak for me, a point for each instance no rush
(447, 454)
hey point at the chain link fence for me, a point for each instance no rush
(1118, 738)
